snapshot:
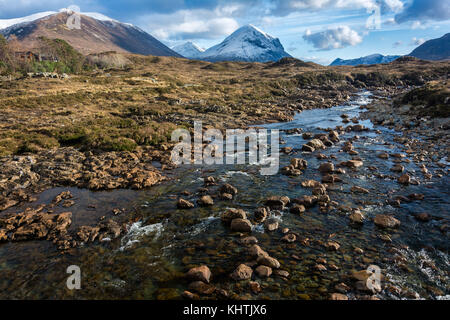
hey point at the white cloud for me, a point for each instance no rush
(283, 7)
(189, 24)
(417, 25)
(333, 38)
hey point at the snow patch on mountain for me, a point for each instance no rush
(248, 44)
(189, 50)
(17, 22)
(368, 60)
(6, 23)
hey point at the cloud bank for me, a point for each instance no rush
(333, 38)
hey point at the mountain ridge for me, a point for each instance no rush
(366, 60)
(98, 33)
(434, 49)
(247, 44)
(189, 50)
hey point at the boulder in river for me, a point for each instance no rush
(386, 221)
(269, 262)
(228, 188)
(206, 201)
(353, 164)
(232, 214)
(357, 217)
(242, 272)
(297, 209)
(316, 144)
(241, 225)
(277, 202)
(263, 271)
(299, 164)
(261, 214)
(201, 273)
(327, 167)
(184, 204)
(404, 179)
(255, 251)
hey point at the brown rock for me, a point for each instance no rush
(327, 167)
(263, 271)
(398, 168)
(311, 184)
(353, 164)
(338, 296)
(332, 245)
(316, 144)
(261, 214)
(226, 196)
(242, 272)
(424, 217)
(249, 240)
(201, 273)
(357, 217)
(232, 214)
(342, 288)
(307, 201)
(289, 238)
(386, 221)
(228, 188)
(255, 251)
(307, 148)
(299, 164)
(269, 262)
(241, 225)
(3, 235)
(206, 201)
(202, 288)
(277, 202)
(271, 225)
(357, 189)
(184, 204)
(320, 267)
(297, 209)
(255, 287)
(404, 179)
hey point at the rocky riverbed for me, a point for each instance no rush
(352, 192)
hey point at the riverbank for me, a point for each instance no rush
(317, 232)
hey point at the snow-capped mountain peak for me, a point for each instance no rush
(189, 50)
(248, 43)
(367, 60)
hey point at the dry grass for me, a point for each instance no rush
(119, 109)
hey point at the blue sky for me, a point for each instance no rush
(312, 30)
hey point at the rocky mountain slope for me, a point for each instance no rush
(436, 49)
(98, 33)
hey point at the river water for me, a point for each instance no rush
(150, 260)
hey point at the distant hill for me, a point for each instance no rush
(189, 50)
(436, 49)
(248, 44)
(368, 60)
(98, 33)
